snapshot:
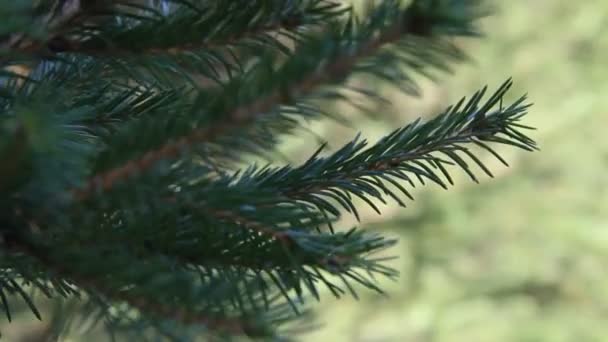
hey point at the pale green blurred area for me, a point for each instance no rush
(523, 256)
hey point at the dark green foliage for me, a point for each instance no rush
(123, 127)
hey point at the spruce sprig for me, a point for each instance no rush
(267, 99)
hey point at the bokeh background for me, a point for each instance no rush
(521, 257)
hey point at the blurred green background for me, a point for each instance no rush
(524, 256)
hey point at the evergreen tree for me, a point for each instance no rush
(125, 131)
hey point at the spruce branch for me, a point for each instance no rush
(193, 27)
(276, 244)
(211, 40)
(104, 294)
(266, 235)
(352, 44)
(352, 170)
(417, 151)
(420, 150)
(104, 290)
